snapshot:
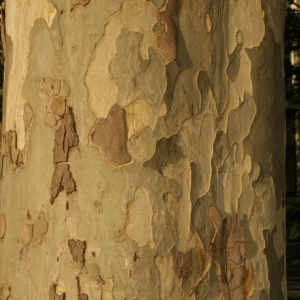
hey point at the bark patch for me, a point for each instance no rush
(191, 267)
(167, 152)
(234, 63)
(83, 296)
(40, 228)
(54, 296)
(227, 250)
(2, 226)
(166, 41)
(50, 86)
(65, 138)
(26, 234)
(77, 249)
(62, 180)
(110, 136)
(15, 154)
(5, 291)
(275, 266)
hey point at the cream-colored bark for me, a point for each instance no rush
(142, 150)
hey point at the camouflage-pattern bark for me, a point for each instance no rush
(142, 150)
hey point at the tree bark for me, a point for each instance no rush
(142, 150)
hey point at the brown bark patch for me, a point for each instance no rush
(65, 138)
(83, 296)
(166, 40)
(2, 226)
(167, 152)
(58, 106)
(110, 136)
(227, 250)
(54, 296)
(62, 180)
(191, 267)
(77, 249)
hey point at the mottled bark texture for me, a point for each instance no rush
(142, 150)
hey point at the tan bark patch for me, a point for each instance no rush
(18, 24)
(106, 289)
(110, 136)
(77, 249)
(40, 228)
(5, 291)
(138, 224)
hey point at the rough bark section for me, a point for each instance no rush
(110, 136)
(77, 249)
(166, 91)
(228, 253)
(62, 180)
(65, 138)
(54, 296)
(60, 118)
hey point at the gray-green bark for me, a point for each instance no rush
(142, 150)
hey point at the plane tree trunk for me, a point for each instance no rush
(142, 150)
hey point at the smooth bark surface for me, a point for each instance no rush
(142, 150)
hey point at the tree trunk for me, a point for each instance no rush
(142, 150)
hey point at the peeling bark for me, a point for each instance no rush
(170, 117)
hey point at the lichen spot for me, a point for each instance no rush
(207, 23)
(2, 226)
(138, 224)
